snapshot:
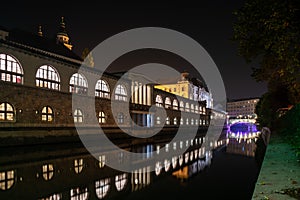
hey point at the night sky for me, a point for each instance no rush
(209, 23)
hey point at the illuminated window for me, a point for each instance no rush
(175, 121)
(203, 110)
(7, 112)
(102, 89)
(175, 104)
(101, 161)
(196, 122)
(47, 114)
(78, 84)
(158, 121)
(158, 167)
(181, 121)
(102, 118)
(192, 121)
(168, 103)
(102, 187)
(174, 162)
(121, 93)
(121, 181)
(47, 77)
(158, 101)
(187, 121)
(187, 107)
(120, 118)
(78, 116)
(181, 105)
(192, 108)
(78, 165)
(79, 193)
(196, 109)
(167, 164)
(10, 69)
(168, 121)
(48, 171)
(7, 179)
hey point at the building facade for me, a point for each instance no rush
(38, 77)
(242, 108)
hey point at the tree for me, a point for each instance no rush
(88, 57)
(268, 33)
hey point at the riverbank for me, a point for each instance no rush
(279, 177)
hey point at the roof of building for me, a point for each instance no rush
(242, 99)
(42, 43)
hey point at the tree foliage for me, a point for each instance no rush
(268, 33)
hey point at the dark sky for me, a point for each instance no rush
(208, 22)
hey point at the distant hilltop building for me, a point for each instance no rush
(242, 108)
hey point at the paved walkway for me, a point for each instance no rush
(280, 173)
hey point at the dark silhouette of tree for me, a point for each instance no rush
(268, 33)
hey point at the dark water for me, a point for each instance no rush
(227, 171)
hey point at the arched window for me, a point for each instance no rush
(10, 69)
(181, 121)
(78, 165)
(47, 77)
(121, 181)
(7, 112)
(120, 118)
(181, 105)
(187, 107)
(102, 187)
(7, 179)
(78, 84)
(102, 89)
(121, 93)
(158, 101)
(192, 121)
(78, 116)
(175, 104)
(48, 171)
(102, 118)
(47, 114)
(168, 103)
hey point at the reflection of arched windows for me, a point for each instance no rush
(168, 103)
(78, 84)
(48, 171)
(78, 116)
(102, 118)
(79, 193)
(47, 114)
(10, 69)
(121, 181)
(181, 121)
(175, 104)
(192, 121)
(187, 121)
(47, 77)
(158, 101)
(101, 161)
(7, 179)
(102, 187)
(7, 112)
(187, 107)
(121, 93)
(181, 105)
(102, 89)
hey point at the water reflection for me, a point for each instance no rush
(70, 172)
